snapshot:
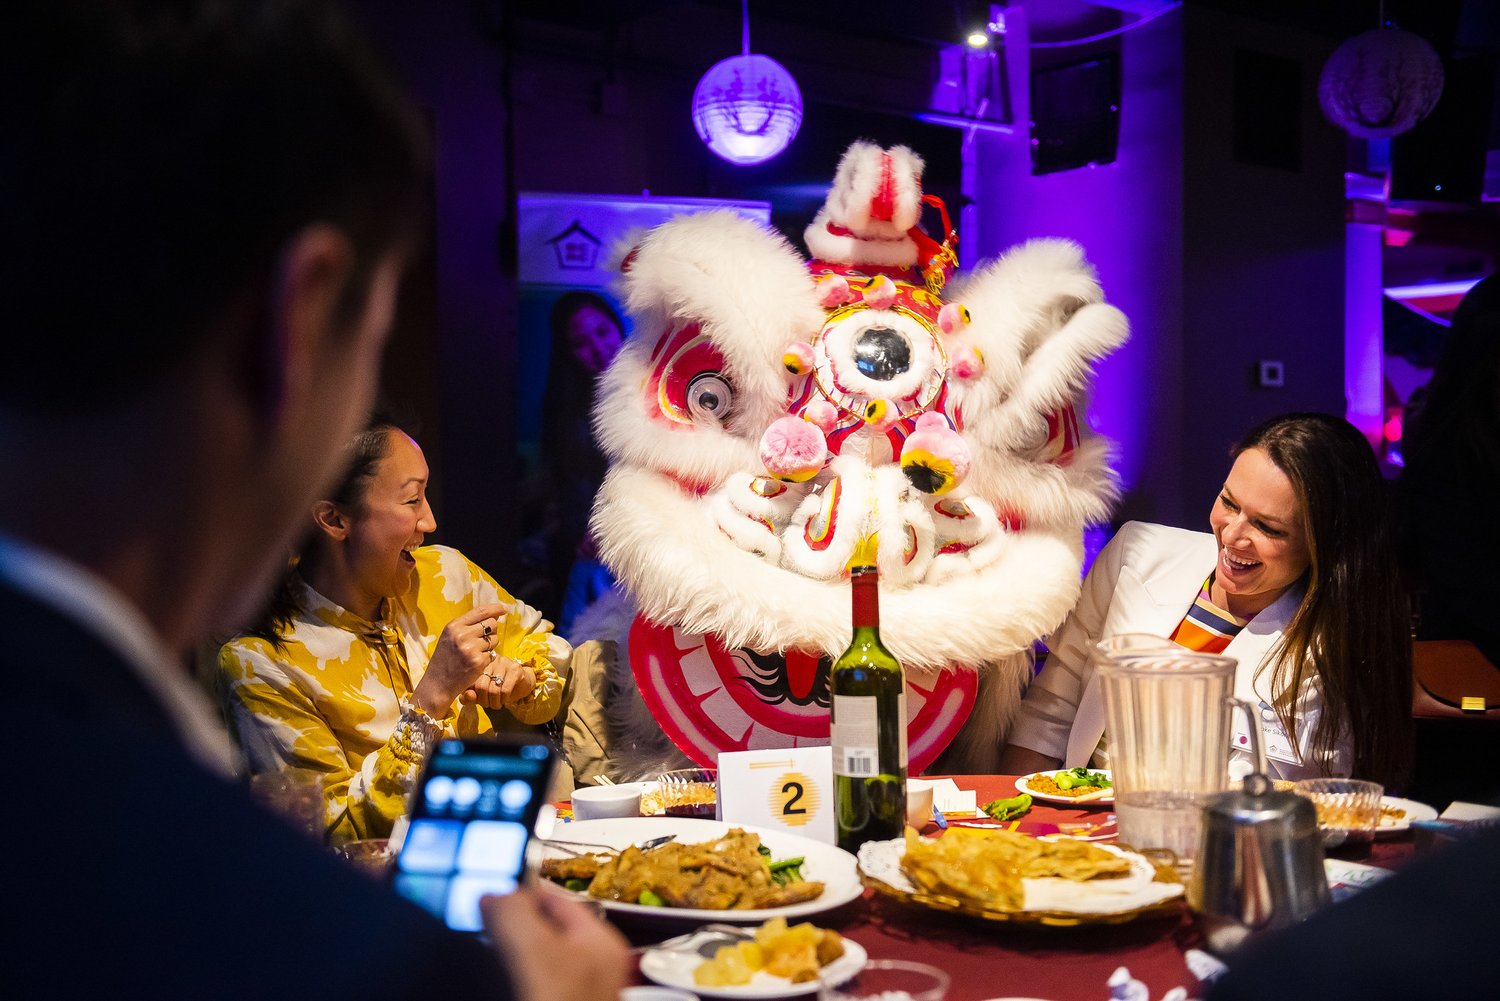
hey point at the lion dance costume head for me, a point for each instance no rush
(772, 415)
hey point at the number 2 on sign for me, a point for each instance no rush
(795, 799)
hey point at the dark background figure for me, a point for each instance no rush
(1450, 535)
(209, 206)
(1451, 481)
(586, 335)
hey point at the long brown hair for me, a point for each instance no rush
(1352, 630)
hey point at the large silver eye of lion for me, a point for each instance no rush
(709, 398)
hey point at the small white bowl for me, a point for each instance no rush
(656, 994)
(601, 802)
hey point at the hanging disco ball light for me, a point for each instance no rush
(747, 108)
(1380, 83)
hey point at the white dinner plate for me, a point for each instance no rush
(835, 868)
(674, 968)
(1023, 783)
(1414, 811)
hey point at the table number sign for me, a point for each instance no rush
(788, 788)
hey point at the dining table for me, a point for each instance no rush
(995, 959)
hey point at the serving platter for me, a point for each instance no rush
(1154, 888)
(674, 968)
(833, 867)
(1084, 802)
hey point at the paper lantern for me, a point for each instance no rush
(1381, 83)
(747, 108)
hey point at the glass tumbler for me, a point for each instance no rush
(296, 797)
(689, 792)
(1348, 813)
(890, 980)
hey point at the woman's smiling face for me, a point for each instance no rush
(1259, 524)
(393, 518)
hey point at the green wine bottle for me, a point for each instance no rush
(868, 728)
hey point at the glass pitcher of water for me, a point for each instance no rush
(1168, 731)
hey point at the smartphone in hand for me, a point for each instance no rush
(471, 816)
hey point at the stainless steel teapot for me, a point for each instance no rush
(1259, 864)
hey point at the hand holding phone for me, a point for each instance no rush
(534, 927)
(471, 816)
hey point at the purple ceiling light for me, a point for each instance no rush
(1380, 83)
(747, 108)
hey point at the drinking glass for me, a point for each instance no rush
(1168, 730)
(371, 856)
(689, 792)
(1348, 813)
(296, 797)
(890, 980)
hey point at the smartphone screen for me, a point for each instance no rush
(471, 816)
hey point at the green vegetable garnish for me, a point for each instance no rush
(787, 871)
(1076, 778)
(650, 899)
(1008, 809)
(576, 884)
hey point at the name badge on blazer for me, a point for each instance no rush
(1279, 747)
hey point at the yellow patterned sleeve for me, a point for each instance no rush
(529, 641)
(527, 638)
(272, 708)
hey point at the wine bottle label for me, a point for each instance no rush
(855, 737)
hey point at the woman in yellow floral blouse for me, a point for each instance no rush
(375, 647)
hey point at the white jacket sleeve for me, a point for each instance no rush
(1045, 717)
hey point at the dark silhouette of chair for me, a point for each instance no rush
(1456, 716)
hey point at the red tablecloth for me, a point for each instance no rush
(992, 959)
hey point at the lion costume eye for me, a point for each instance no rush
(709, 397)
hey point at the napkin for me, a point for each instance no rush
(948, 798)
(1459, 810)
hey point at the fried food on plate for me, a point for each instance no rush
(986, 866)
(731, 873)
(796, 953)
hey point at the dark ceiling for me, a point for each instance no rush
(890, 47)
(1451, 25)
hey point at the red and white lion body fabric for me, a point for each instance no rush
(770, 413)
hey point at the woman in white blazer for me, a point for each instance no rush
(1301, 548)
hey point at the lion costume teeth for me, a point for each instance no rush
(771, 413)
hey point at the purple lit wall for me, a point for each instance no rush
(1219, 261)
(1127, 215)
(1364, 376)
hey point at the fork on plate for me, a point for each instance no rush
(706, 940)
(570, 846)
